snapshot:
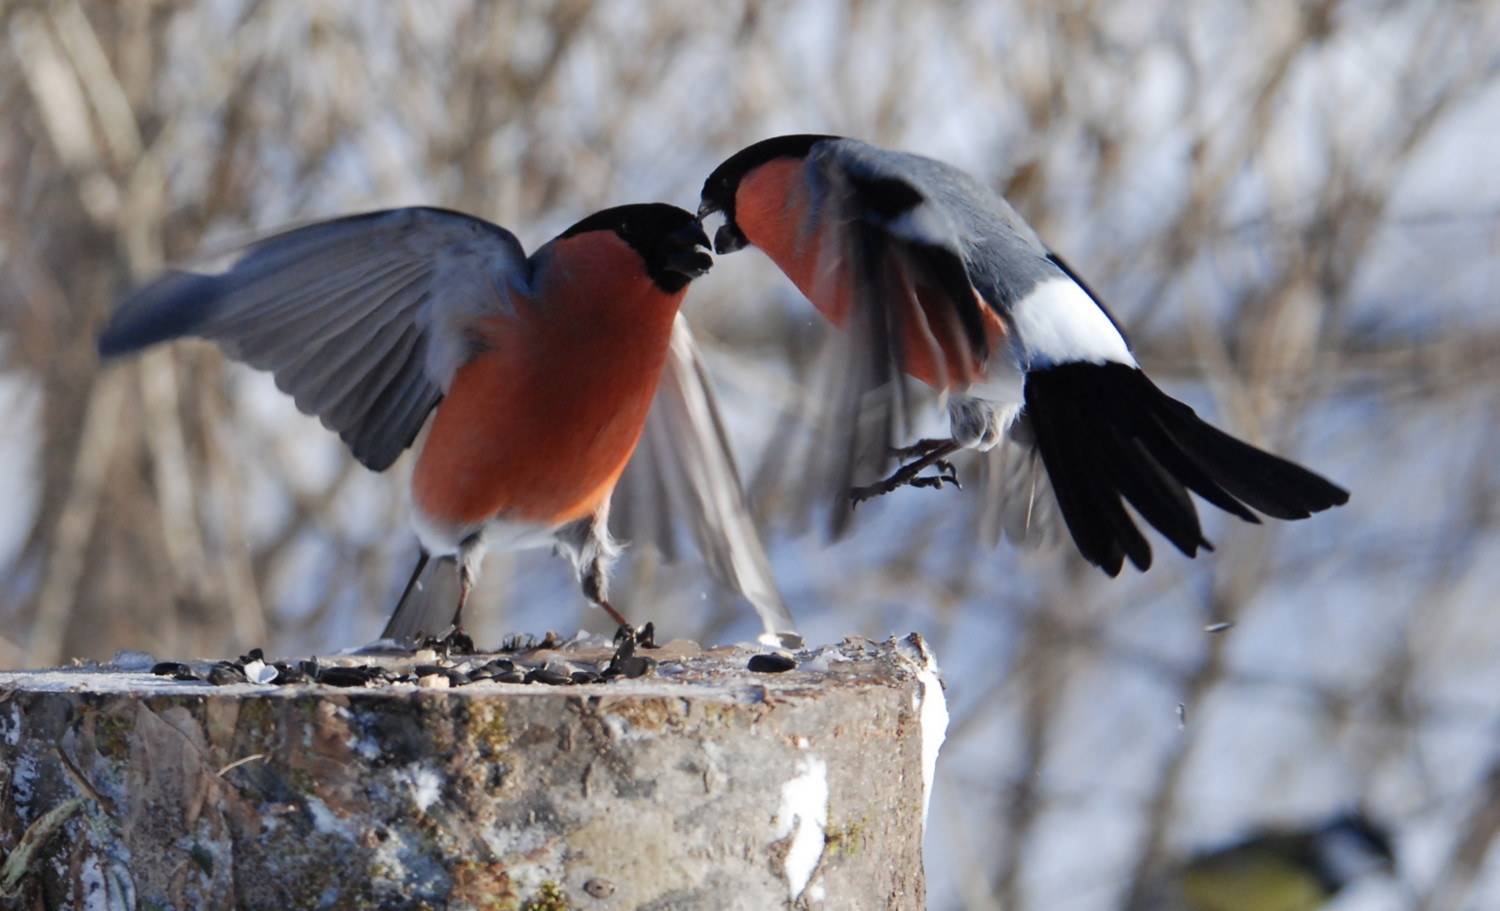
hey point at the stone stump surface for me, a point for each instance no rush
(698, 784)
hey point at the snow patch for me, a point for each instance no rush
(426, 786)
(22, 781)
(132, 660)
(104, 885)
(10, 727)
(367, 747)
(803, 816)
(324, 819)
(932, 712)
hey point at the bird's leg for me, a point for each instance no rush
(593, 589)
(593, 576)
(644, 636)
(930, 453)
(465, 585)
(920, 448)
(615, 615)
(592, 550)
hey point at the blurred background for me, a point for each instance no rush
(1293, 207)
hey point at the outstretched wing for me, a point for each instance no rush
(361, 319)
(683, 468)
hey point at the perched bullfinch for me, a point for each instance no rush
(1280, 870)
(937, 277)
(541, 372)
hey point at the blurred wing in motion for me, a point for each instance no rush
(683, 467)
(859, 242)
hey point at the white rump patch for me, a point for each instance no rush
(1058, 323)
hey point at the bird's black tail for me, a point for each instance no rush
(1107, 435)
(427, 605)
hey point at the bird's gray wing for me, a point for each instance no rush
(363, 320)
(683, 468)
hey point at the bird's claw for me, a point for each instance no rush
(945, 475)
(625, 662)
(455, 642)
(626, 635)
(928, 453)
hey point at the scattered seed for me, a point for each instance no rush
(287, 673)
(226, 673)
(637, 666)
(771, 663)
(548, 676)
(345, 676)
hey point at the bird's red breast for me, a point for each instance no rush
(776, 211)
(539, 426)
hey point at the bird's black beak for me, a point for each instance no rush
(729, 238)
(689, 254)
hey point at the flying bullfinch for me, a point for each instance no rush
(937, 277)
(541, 371)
